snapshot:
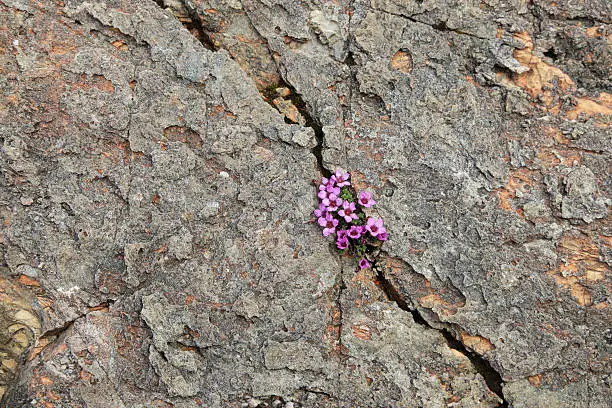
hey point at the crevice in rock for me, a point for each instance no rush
(317, 151)
(316, 392)
(492, 378)
(58, 331)
(193, 24)
(196, 25)
(441, 26)
(299, 103)
(310, 122)
(336, 316)
(551, 53)
(269, 95)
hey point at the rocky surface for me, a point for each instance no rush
(155, 199)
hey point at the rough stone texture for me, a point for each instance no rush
(155, 243)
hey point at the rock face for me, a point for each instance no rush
(157, 160)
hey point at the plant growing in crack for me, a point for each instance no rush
(341, 212)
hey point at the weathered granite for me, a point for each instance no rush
(155, 239)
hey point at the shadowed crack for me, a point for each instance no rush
(66, 326)
(323, 394)
(195, 25)
(492, 378)
(336, 316)
(440, 26)
(310, 122)
(300, 105)
(298, 102)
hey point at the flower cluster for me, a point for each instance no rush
(341, 213)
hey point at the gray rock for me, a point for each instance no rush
(158, 175)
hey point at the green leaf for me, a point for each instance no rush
(346, 195)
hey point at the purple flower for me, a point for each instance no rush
(375, 226)
(365, 199)
(355, 231)
(332, 207)
(323, 220)
(332, 202)
(325, 200)
(324, 194)
(321, 211)
(329, 224)
(341, 178)
(330, 188)
(348, 211)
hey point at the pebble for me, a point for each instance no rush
(27, 200)
(254, 403)
(27, 270)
